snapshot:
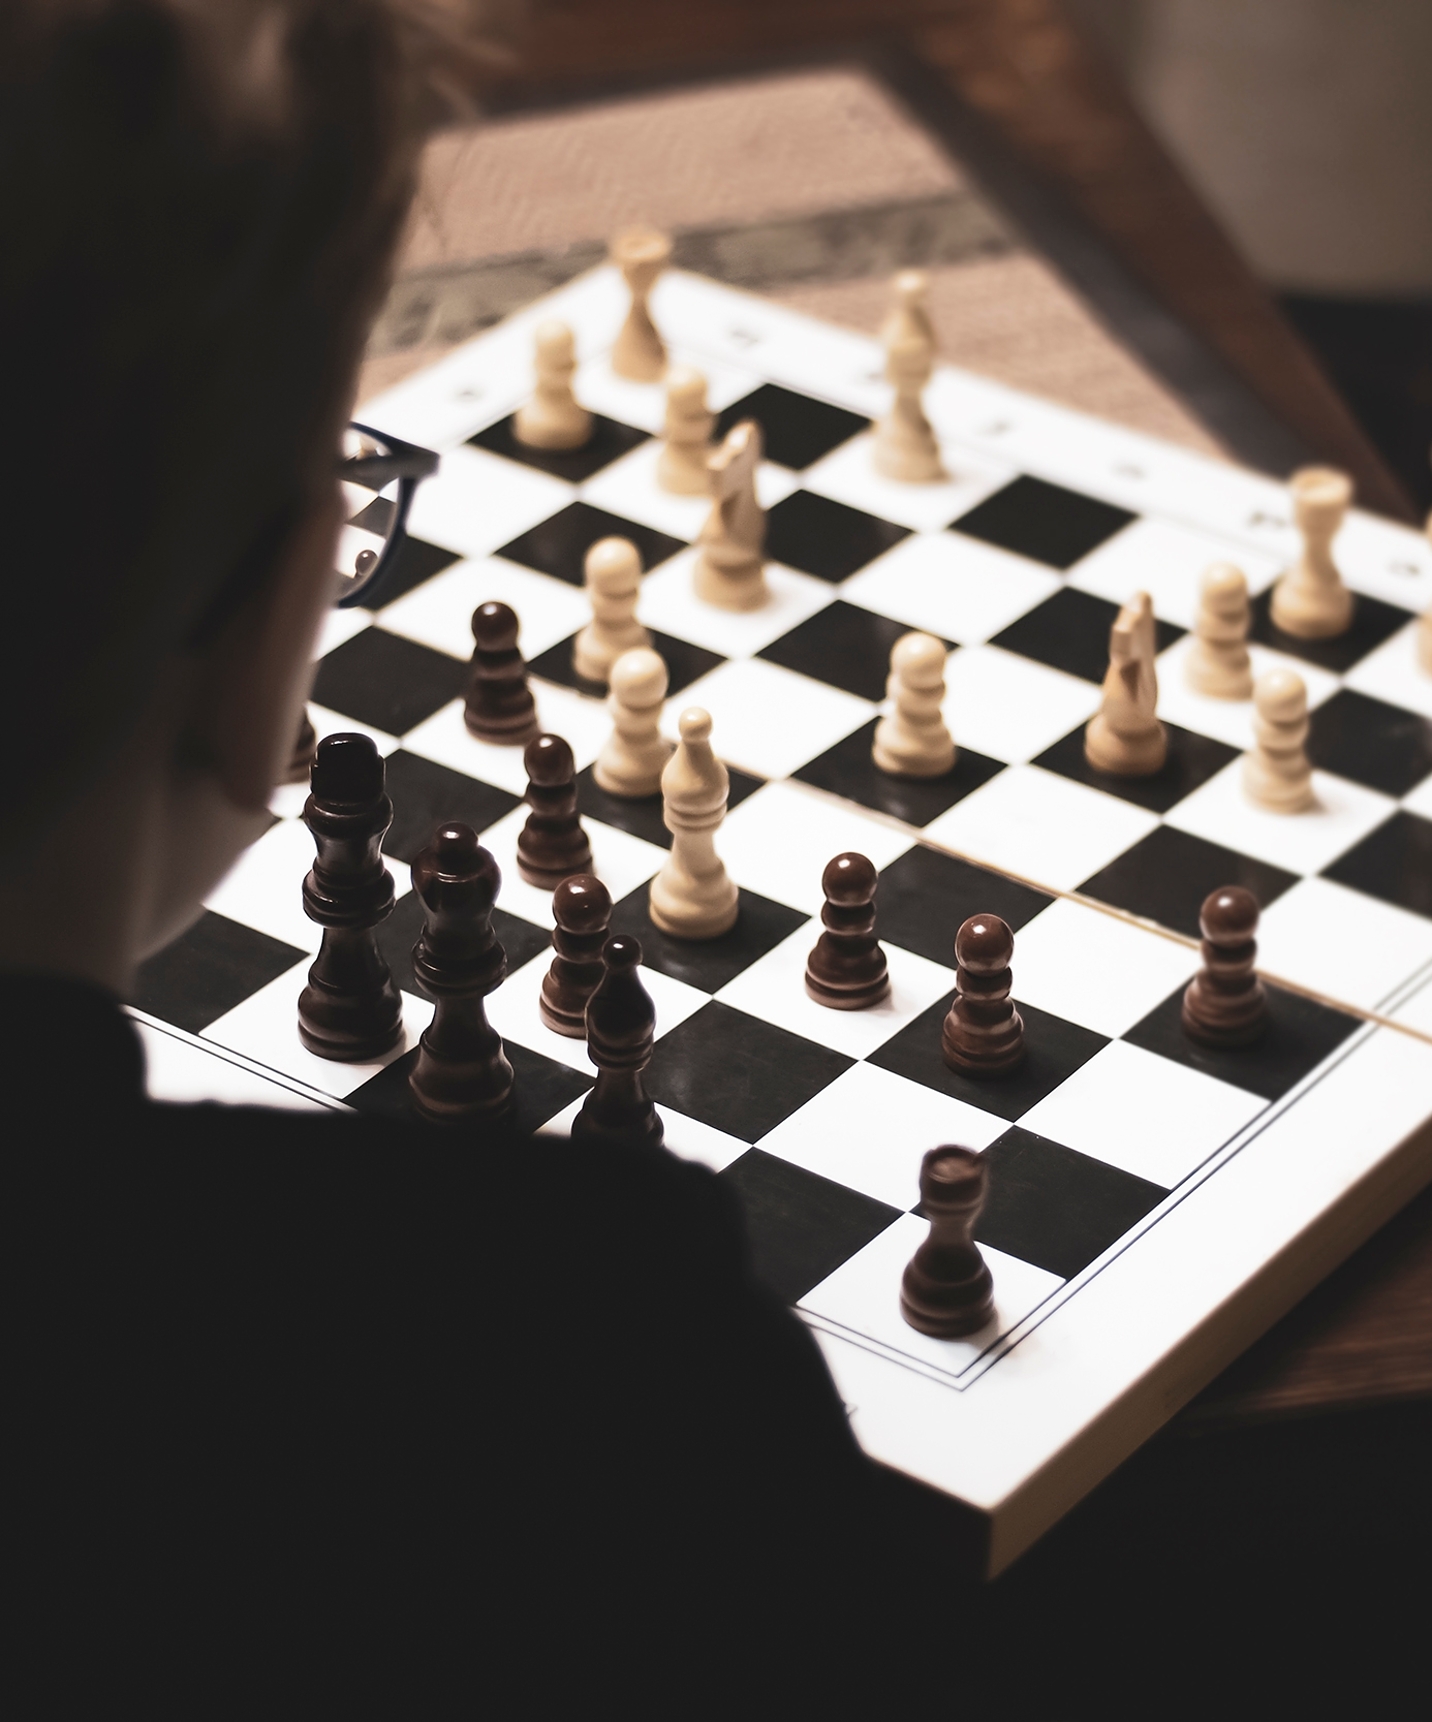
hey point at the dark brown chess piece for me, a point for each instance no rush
(305, 751)
(552, 844)
(350, 1009)
(582, 909)
(1225, 1004)
(461, 1070)
(621, 1029)
(947, 1290)
(846, 967)
(499, 705)
(983, 1033)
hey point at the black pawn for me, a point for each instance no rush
(582, 909)
(621, 1030)
(947, 1290)
(1225, 1004)
(846, 967)
(461, 1070)
(499, 706)
(553, 844)
(350, 1009)
(983, 1033)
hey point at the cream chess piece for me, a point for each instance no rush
(682, 465)
(730, 567)
(692, 897)
(911, 740)
(635, 754)
(1424, 625)
(552, 419)
(1218, 663)
(1276, 773)
(1124, 736)
(613, 575)
(1310, 601)
(905, 448)
(641, 253)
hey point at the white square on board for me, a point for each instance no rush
(767, 719)
(1341, 943)
(847, 474)
(446, 739)
(1229, 721)
(439, 612)
(950, 586)
(669, 604)
(1095, 969)
(476, 502)
(339, 626)
(1167, 561)
(774, 990)
(1010, 707)
(1419, 800)
(870, 1130)
(1302, 842)
(863, 1296)
(779, 840)
(629, 487)
(1146, 1114)
(1041, 827)
(619, 860)
(687, 1138)
(1394, 673)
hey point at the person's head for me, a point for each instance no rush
(199, 202)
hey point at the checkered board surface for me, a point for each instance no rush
(1138, 1184)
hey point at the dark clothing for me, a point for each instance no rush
(317, 1409)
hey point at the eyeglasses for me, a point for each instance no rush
(378, 476)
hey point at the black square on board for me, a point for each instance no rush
(738, 1074)
(1372, 623)
(828, 539)
(797, 429)
(1053, 1050)
(1385, 747)
(1055, 1208)
(1070, 631)
(685, 664)
(387, 682)
(641, 816)
(608, 442)
(1393, 863)
(559, 544)
(208, 970)
(848, 769)
(1192, 760)
(1043, 521)
(1165, 876)
(1300, 1035)
(707, 963)
(426, 795)
(924, 896)
(801, 1226)
(416, 561)
(843, 646)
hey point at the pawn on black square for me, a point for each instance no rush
(983, 1033)
(552, 845)
(621, 1031)
(498, 706)
(1225, 1004)
(947, 1290)
(461, 1071)
(582, 909)
(846, 968)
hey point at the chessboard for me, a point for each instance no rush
(1153, 1205)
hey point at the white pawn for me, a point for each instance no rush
(912, 740)
(552, 418)
(636, 752)
(905, 446)
(1124, 736)
(1218, 663)
(1310, 601)
(692, 897)
(1276, 773)
(730, 567)
(682, 467)
(613, 575)
(641, 253)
